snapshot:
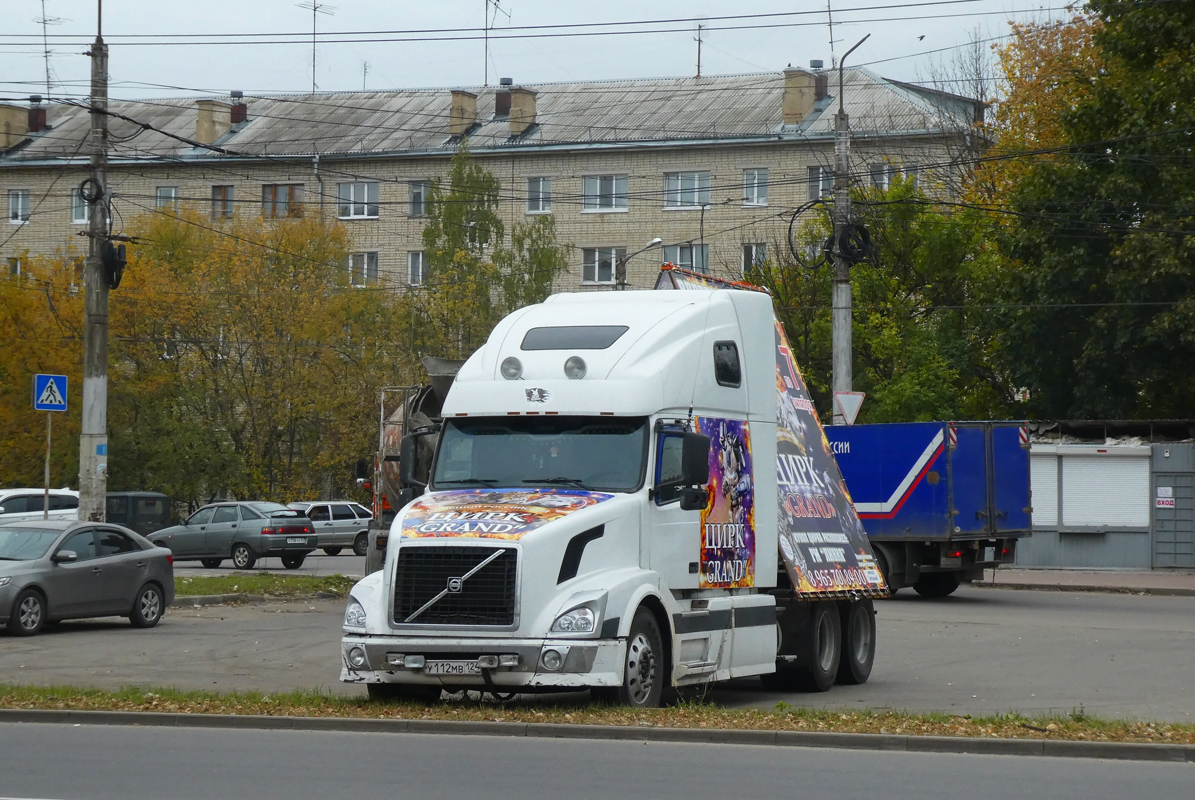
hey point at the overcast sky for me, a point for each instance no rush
(904, 37)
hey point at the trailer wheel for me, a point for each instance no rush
(824, 647)
(858, 642)
(936, 584)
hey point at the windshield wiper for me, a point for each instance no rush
(561, 481)
(466, 481)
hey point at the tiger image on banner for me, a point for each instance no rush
(728, 520)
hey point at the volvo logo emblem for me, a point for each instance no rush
(455, 585)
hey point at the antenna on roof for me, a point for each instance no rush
(45, 22)
(830, 22)
(316, 8)
(699, 27)
(488, 20)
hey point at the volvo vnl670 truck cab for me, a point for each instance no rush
(630, 492)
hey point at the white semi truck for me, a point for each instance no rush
(630, 492)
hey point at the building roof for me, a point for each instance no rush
(656, 111)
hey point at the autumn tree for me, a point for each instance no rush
(1099, 297)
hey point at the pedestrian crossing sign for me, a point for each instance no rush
(49, 393)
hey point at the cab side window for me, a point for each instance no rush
(81, 543)
(668, 468)
(114, 543)
(727, 369)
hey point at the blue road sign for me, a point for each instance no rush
(49, 393)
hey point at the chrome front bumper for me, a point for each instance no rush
(397, 659)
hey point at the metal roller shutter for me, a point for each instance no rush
(1105, 490)
(1043, 471)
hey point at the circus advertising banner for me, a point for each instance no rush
(728, 520)
(824, 546)
(492, 513)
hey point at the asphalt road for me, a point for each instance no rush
(99, 762)
(981, 651)
(318, 563)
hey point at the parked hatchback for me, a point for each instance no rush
(244, 532)
(338, 525)
(52, 570)
(21, 504)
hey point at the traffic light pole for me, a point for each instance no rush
(842, 310)
(93, 441)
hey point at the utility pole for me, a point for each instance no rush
(842, 307)
(93, 441)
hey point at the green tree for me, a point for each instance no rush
(1100, 295)
(474, 275)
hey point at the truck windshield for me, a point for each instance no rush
(602, 454)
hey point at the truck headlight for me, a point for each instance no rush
(578, 620)
(354, 615)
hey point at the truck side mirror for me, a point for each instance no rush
(408, 458)
(695, 459)
(362, 470)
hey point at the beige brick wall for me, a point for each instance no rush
(728, 222)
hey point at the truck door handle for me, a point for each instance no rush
(981, 515)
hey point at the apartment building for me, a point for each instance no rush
(713, 166)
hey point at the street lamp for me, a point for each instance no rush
(620, 266)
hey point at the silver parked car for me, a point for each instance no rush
(243, 531)
(52, 570)
(338, 525)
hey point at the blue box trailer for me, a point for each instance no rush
(940, 501)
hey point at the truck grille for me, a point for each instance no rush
(485, 598)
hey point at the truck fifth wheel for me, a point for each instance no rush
(629, 492)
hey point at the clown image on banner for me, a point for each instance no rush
(728, 520)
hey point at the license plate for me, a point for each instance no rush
(296, 540)
(452, 668)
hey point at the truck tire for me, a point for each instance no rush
(858, 642)
(392, 692)
(824, 647)
(644, 669)
(885, 569)
(936, 584)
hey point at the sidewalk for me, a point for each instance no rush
(1162, 582)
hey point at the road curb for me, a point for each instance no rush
(1053, 748)
(1161, 591)
(200, 600)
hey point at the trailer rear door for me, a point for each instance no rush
(967, 444)
(1010, 478)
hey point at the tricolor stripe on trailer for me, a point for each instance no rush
(888, 508)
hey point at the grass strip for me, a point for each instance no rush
(1075, 726)
(263, 583)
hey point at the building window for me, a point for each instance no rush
(754, 255)
(281, 200)
(755, 187)
(14, 267)
(416, 267)
(357, 200)
(597, 263)
(18, 206)
(821, 182)
(882, 176)
(539, 195)
(222, 202)
(166, 198)
(686, 189)
(78, 208)
(604, 193)
(363, 269)
(419, 191)
(693, 257)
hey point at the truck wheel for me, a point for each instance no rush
(824, 647)
(242, 557)
(361, 544)
(644, 668)
(292, 562)
(858, 642)
(936, 584)
(885, 570)
(332, 551)
(391, 692)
